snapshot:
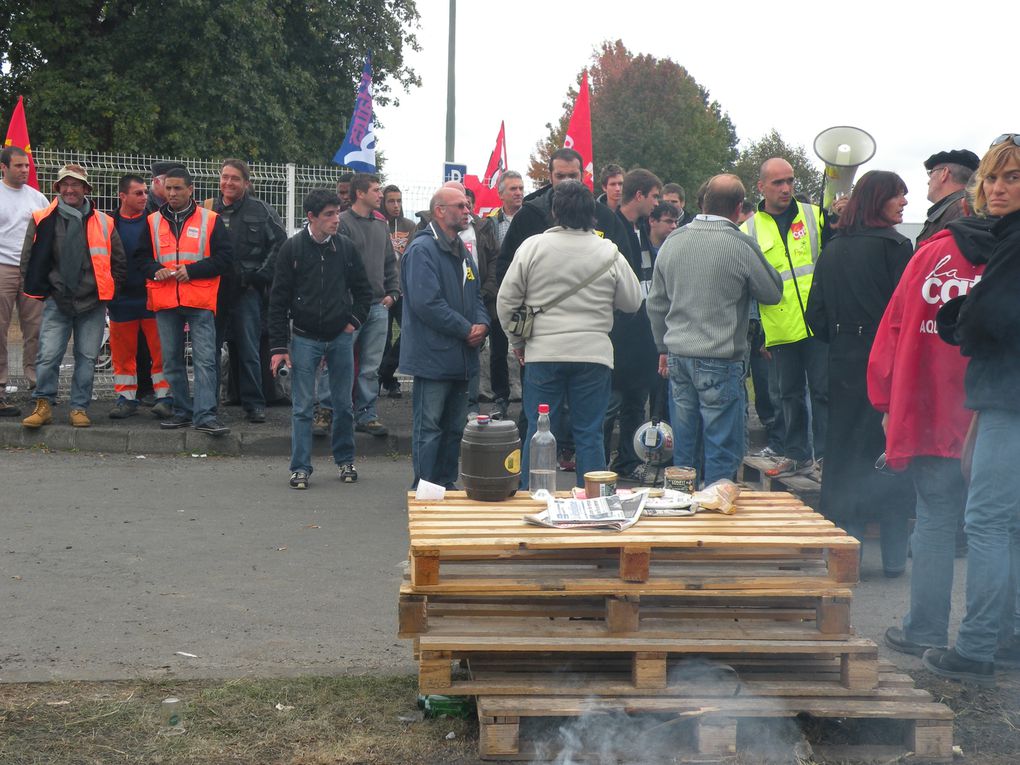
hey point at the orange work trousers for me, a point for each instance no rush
(124, 352)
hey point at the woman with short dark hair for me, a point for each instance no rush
(854, 279)
(569, 355)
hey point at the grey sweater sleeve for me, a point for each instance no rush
(765, 282)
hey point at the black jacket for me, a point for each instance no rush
(321, 287)
(636, 361)
(535, 216)
(256, 238)
(987, 324)
(855, 277)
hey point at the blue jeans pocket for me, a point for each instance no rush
(716, 381)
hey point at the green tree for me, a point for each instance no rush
(807, 176)
(648, 112)
(261, 79)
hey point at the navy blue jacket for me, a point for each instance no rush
(442, 299)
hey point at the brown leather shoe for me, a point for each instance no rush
(79, 419)
(42, 415)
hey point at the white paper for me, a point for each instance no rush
(428, 491)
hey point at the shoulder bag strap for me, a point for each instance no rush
(578, 288)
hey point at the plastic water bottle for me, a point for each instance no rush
(542, 455)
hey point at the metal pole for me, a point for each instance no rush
(451, 94)
(291, 197)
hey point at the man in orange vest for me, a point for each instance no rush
(72, 259)
(182, 256)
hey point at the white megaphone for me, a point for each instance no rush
(843, 149)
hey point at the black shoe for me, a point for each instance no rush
(175, 422)
(946, 662)
(213, 427)
(895, 639)
(257, 414)
(146, 399)
(163, 408)
(124, 409)
(1008, 653)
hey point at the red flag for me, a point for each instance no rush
(578, 135)
(17, 135)
(486, 198)
(497, 160)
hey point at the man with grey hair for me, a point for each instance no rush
(444, 323)
(949, 172)
(704, 278)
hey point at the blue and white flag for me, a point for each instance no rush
(358, 149)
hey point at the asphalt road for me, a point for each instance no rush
(114, 566)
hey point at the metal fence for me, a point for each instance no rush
(281, 185)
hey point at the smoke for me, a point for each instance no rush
(608, 736)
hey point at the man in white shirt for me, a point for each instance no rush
(17, 202)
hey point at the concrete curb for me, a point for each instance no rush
(152, 440)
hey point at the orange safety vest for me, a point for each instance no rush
(98, 233)
(169, 251)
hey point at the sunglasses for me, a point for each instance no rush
(1015, 137)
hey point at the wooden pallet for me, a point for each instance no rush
(771, 526)
(649, 657)
(709, 726)
(827, 610)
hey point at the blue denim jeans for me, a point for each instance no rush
(57, 328)
(305, 356)
(371, 340)
(202, 329)
(245, 329)
(582, 387)
(439, 415)
(992, 522)
(941, 496)
(707, 392)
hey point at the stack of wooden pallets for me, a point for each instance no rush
(718, 619)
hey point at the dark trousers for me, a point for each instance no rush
(143, 365)
(802, 371)
(391, 351)
(499, 373)
(627, 406)
(770, 412)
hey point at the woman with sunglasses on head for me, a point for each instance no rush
(854, 279)
(986, 325)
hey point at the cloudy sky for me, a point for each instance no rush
(918, 81)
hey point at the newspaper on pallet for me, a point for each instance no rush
(616, 512)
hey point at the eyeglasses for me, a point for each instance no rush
(459, 206)
(936, 169)
(1015, 137)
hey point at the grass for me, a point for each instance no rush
(335, 720)
(346, 720)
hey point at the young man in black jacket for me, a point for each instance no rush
(320, 285)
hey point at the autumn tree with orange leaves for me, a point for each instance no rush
(647, 112)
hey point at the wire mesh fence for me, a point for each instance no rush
(281, 185)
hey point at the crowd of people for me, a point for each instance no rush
(609, 310)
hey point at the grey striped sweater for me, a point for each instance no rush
(706, 274)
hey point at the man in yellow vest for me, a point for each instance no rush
(72, 259)
(790, 234)
(182, 256)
